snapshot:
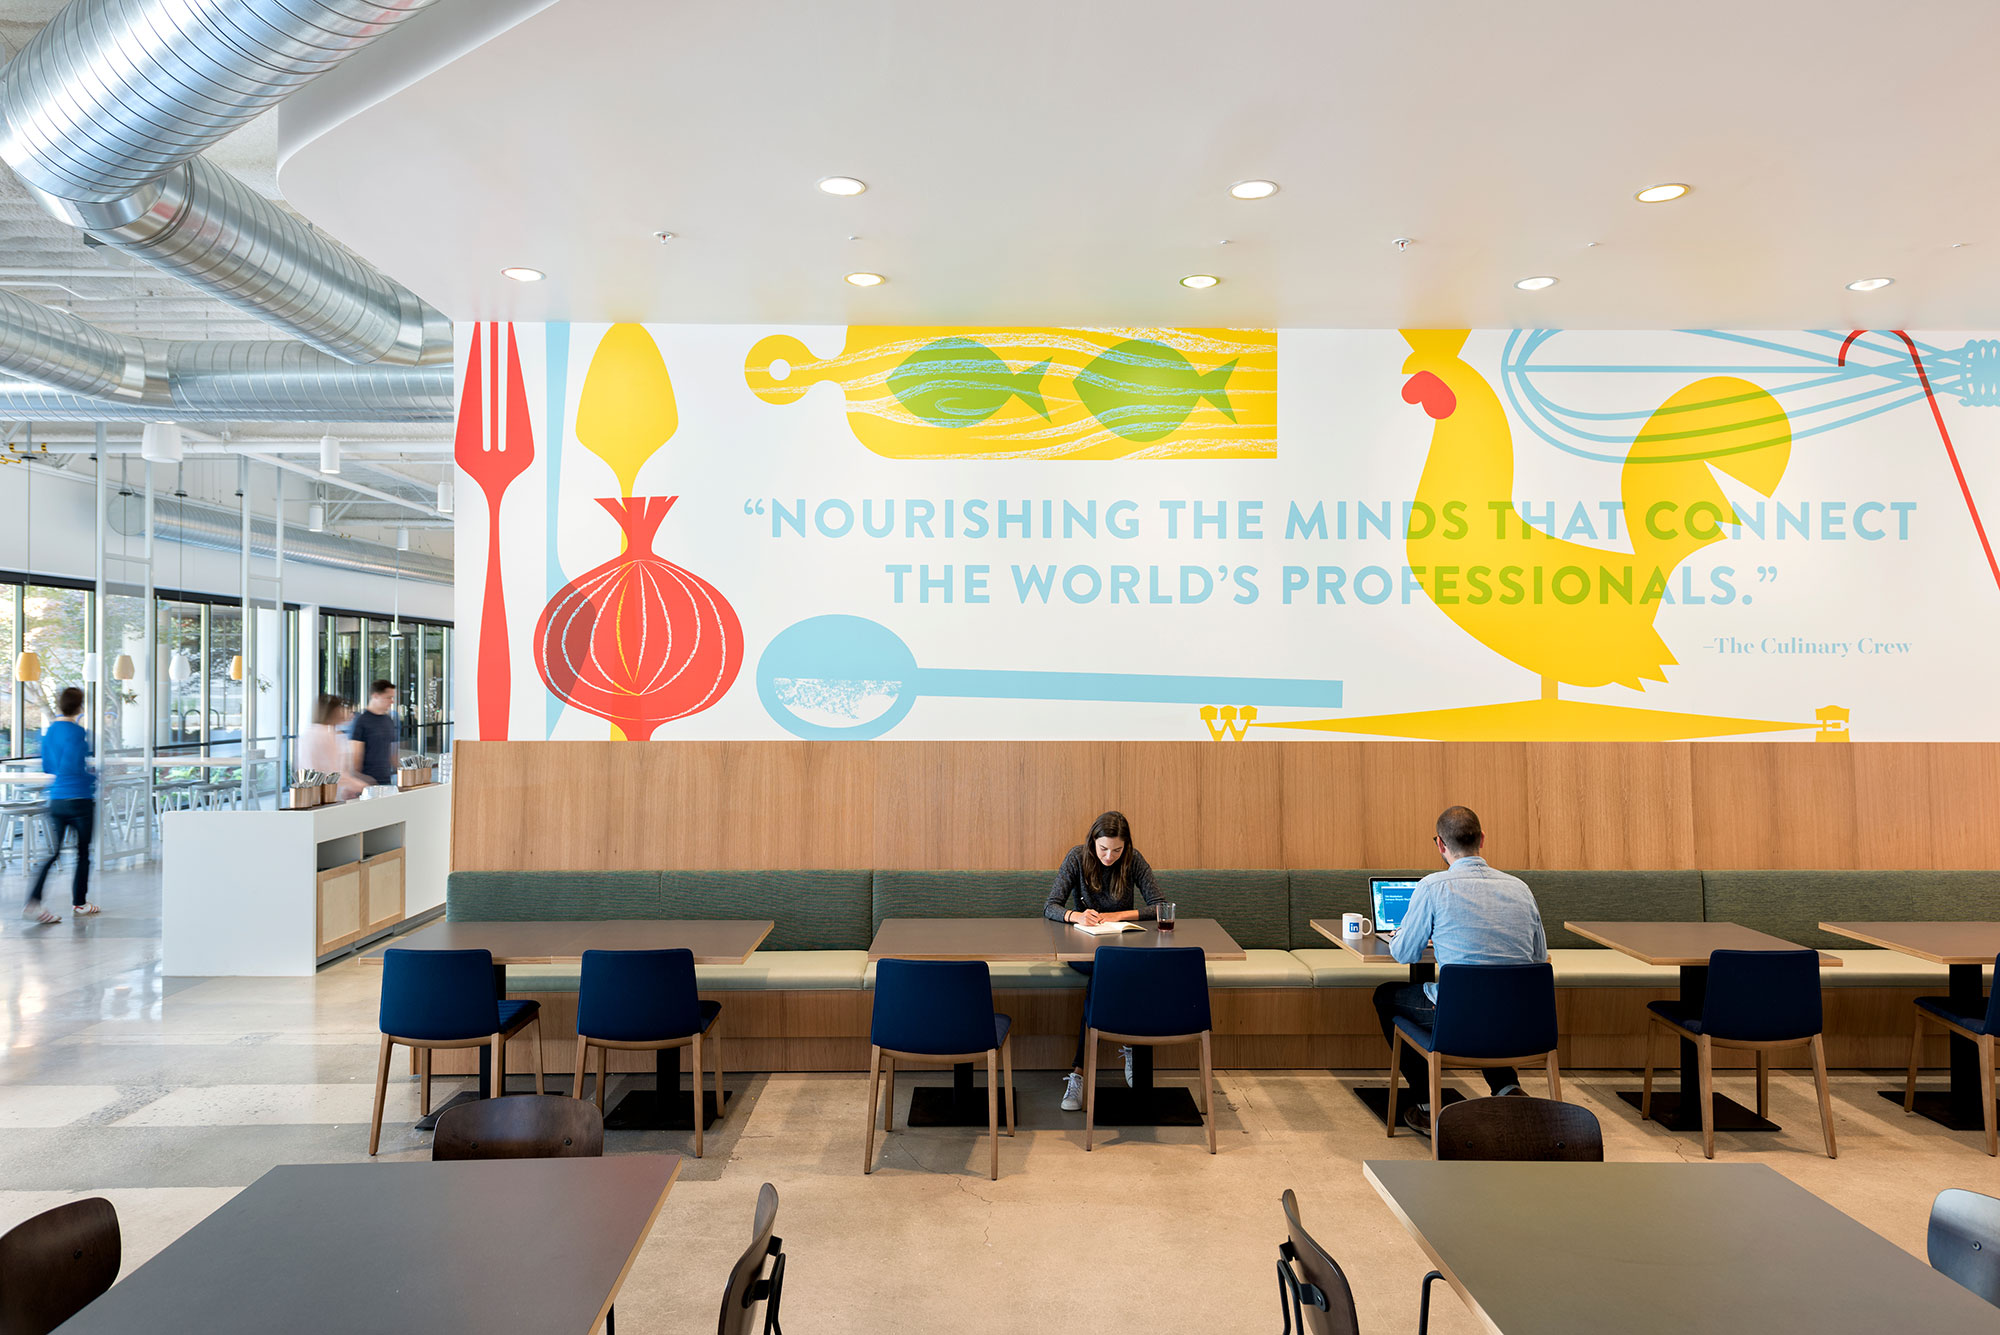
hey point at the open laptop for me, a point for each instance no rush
(1391, 896)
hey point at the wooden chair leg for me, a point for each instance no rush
(715, 1037)
(1707, 1062)
(888, 1093)
(381, 1094)
(1826, 1095)
(1916, 1049)
(424, 1082)
(582, 1056)
(698, 1109)
(1089, 1088)
(1437, 1098)
(535, 1046)
(1555, 1078)
(1395, 1076)
(874, 1092)
(1646, 1090)
(993, 1109)
(1208, 1090)
(603, 1074)
(1763, 1082)
(1007, 1078)
(1986, 1093)
(499, 1064)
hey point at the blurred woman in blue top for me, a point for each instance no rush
(72, 804)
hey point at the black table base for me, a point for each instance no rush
(946, 1105)
(1944, 1107)
(1960, 1107)
(1162, 1105)
(429, 1123)
(645, 1110)
(1674, 1113)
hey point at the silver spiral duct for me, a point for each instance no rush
(103, 115)
(222, 530)
(58, 350)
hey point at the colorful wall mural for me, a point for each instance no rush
(754, 532)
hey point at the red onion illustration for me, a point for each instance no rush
(639, 641)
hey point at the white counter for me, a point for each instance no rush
(241, 888)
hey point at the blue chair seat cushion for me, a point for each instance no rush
(1001, 1024)
(1418, 1034)
(1947, 1009)
(514, 1014)
(1675, 1012)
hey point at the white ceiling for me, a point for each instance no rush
(1066, 161)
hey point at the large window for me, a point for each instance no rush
(357, 651)
(8, 621)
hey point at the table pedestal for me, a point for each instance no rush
(1959, 1107)
(666, 1106)
(1681, 1111)
(1376, 1097)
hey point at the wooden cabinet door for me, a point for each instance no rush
(340, 906)
(384, 903)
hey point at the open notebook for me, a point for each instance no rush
(1108, 928)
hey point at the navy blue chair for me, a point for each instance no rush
(1757, 1000)
(938, 1012)
(1967, 1021)
(1487, 1015)
(1147, 995)
(446, 999)
(645, 1001)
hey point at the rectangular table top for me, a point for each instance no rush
(1684, 943)
(1662, 1249)
(1034, 940)
(713, 941)
(1371, 949)
(1938, 942)
(509, 1244)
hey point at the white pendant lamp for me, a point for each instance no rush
(123, 669)
(444, 497)
(93, 666)
(316, 517)
(178, 667)
(329, 455)
(402, 540)
(160, 443)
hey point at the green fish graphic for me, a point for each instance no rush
(961, 382)
(1143, 390)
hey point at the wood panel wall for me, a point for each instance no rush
(646, 805)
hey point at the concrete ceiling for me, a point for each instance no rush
(1067, 161)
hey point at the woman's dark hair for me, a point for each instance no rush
(69, 701)
(326, 709)
(1111, 825)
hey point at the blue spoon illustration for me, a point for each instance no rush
(830, 677)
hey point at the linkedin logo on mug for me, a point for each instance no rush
(1354, 925)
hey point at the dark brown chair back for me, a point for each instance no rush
(521, 1126)
(748, 1284)
(1312, 1288)
(1519, 1128)
(56, 1264)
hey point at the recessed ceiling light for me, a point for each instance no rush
(1660, 194)
(1254, 189)
(521, 274)
(866, 279)
(1535, 284)
(1200, 280)
(1868, 284)
(842, 185)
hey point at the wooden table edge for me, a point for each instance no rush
(639, 1243)
(1012, 957)
(1826, 961)
(1847, 930)
(1424, 1244)
(770, 925)
(374, 954)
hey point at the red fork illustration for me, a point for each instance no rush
(493, 449)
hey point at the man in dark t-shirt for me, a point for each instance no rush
(375, 733)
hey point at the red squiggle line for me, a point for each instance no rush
(1950, 451)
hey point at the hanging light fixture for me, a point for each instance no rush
(444, 497)
(93, 666)
(160, 443)
(28, 666)
(236, 668)
(178, 667)
(402, 540)
(28, 663)
(124, 669)
(329, 455)
(316, 517)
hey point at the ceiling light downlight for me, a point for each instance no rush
(1660, 194)
(1869, 284)
(329, 455)
(160, 443)
(842, 185)
(866, 279)
(521, 273)
(1200, 280)
(1253, 189)
(1536, 284)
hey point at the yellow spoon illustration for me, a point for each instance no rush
(626, 410)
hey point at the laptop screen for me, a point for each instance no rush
(1392, 901)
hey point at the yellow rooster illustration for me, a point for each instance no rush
(1564, 611)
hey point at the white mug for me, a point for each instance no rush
(1353, 924)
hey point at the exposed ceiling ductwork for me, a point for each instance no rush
(222, 530)
(103, 115)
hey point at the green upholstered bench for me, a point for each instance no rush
(1792, 904)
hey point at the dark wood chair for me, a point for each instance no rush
(1518, 1129)
(1964, 1240)
(748, 1283)
(1312, 1288)
(523, 1126)
(56, 1264)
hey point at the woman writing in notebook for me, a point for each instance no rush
(1100, 874)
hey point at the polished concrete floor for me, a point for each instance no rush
(169, 1095)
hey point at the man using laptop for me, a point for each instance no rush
(1470, 914)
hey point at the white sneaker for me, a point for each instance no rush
(1126, 1053)
(1072, 1093)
